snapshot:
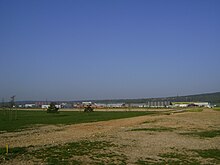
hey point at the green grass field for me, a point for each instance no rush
(216, 108)
(14, 121)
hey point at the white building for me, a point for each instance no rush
(199, 104)
(47, 106)
(29, 105)
(99, 105)
(181, 105)
(87, 103)
(203, 104)
(138, 105)
(116, 105)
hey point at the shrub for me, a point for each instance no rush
(52, 108)
(88, 109)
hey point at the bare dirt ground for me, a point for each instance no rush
(137, 145)
(62, 134)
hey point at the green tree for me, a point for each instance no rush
(88, 108)
(52, 108)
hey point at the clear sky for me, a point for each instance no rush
(108, 49)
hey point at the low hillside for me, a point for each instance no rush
(208, 97)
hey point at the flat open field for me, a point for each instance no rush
(159, 138)
(14, 120)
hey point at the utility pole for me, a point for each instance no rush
(3, 106)
(12, 108)
(12, 101)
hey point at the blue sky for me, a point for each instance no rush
(73, 50)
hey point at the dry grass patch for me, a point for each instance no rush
(203, 134)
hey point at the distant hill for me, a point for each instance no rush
(207, 97)
(213, 98)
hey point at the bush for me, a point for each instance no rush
(52, 108)
(88, 109)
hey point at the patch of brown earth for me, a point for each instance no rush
(134, 144)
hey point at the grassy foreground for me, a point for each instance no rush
(103, 153)
(216, 108)
(14, 121)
